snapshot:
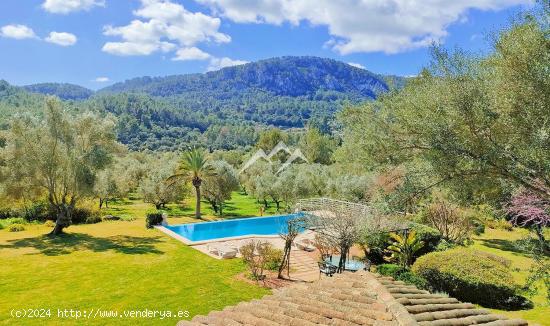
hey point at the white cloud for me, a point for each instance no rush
(61, 38)
(101, 79)
(356, 65)
(219, 63)
(18, 32)
(67, 6)
(388, 26)
(192, 53)
(163, 25)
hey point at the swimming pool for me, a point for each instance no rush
(271, 225)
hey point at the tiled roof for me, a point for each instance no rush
(358, 298)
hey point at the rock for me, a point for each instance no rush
(111, 218)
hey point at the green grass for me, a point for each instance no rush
(501, 243)
(239, 206)
(112, 265)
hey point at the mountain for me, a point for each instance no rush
(284, 76)
(223, 109)
(62, 90)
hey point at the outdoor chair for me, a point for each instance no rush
(327, 269)
(305, 244)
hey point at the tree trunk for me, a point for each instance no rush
(158, 206)
(221, 209)
(540, 234)
(100, 203)
(278, 203)
(63, 220)
(285, 262)
(265, 204)
(198, 203)
(57, 230)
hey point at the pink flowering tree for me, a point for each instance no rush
(527, 209)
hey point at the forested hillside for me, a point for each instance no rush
(285, 76)
(62, 90)
(222, 109)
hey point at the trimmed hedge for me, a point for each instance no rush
(402, 274)
(471, 276)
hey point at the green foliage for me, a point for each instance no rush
(404, 247)
(152, 219)
(316, 147)
(273, 259)
(402, 274)
(93, 219)
(480, 123)
(16, 227)
(62, 90)
(12, 220)
(59, 156)
(157, 186)
(218, 186)
(471, 276)
(38, 211)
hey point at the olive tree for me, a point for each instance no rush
(156, 188)
(58, 156)
(480, 122)
(218, 185)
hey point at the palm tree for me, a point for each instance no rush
(194, 167)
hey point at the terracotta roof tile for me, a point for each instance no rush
(349, 299)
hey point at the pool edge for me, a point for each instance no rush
(194, 243)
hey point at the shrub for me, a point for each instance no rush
(273, 258)
(378, 242)
(152, 219)
(80, 215)
(445, 245)
(428, 235)
(14, 220)
(452, 223)
(6, 212)
(259, 256)
(16, 227)
(500, 224)
(402, 274)
(471, 276)
(93, 219)
(37, 212)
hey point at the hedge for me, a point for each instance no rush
(152, 219)
(402, 274)
(471, 276)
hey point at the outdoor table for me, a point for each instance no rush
(351, 264)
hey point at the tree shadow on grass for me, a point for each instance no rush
(505, 245)
(68, 243)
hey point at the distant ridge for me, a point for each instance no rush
(282, 76)
(64, 91)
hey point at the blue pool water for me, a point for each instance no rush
(271, 225)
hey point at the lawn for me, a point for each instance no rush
(112, 266)
(501, 243)
(239, 206)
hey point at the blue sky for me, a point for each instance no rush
(94, 43)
